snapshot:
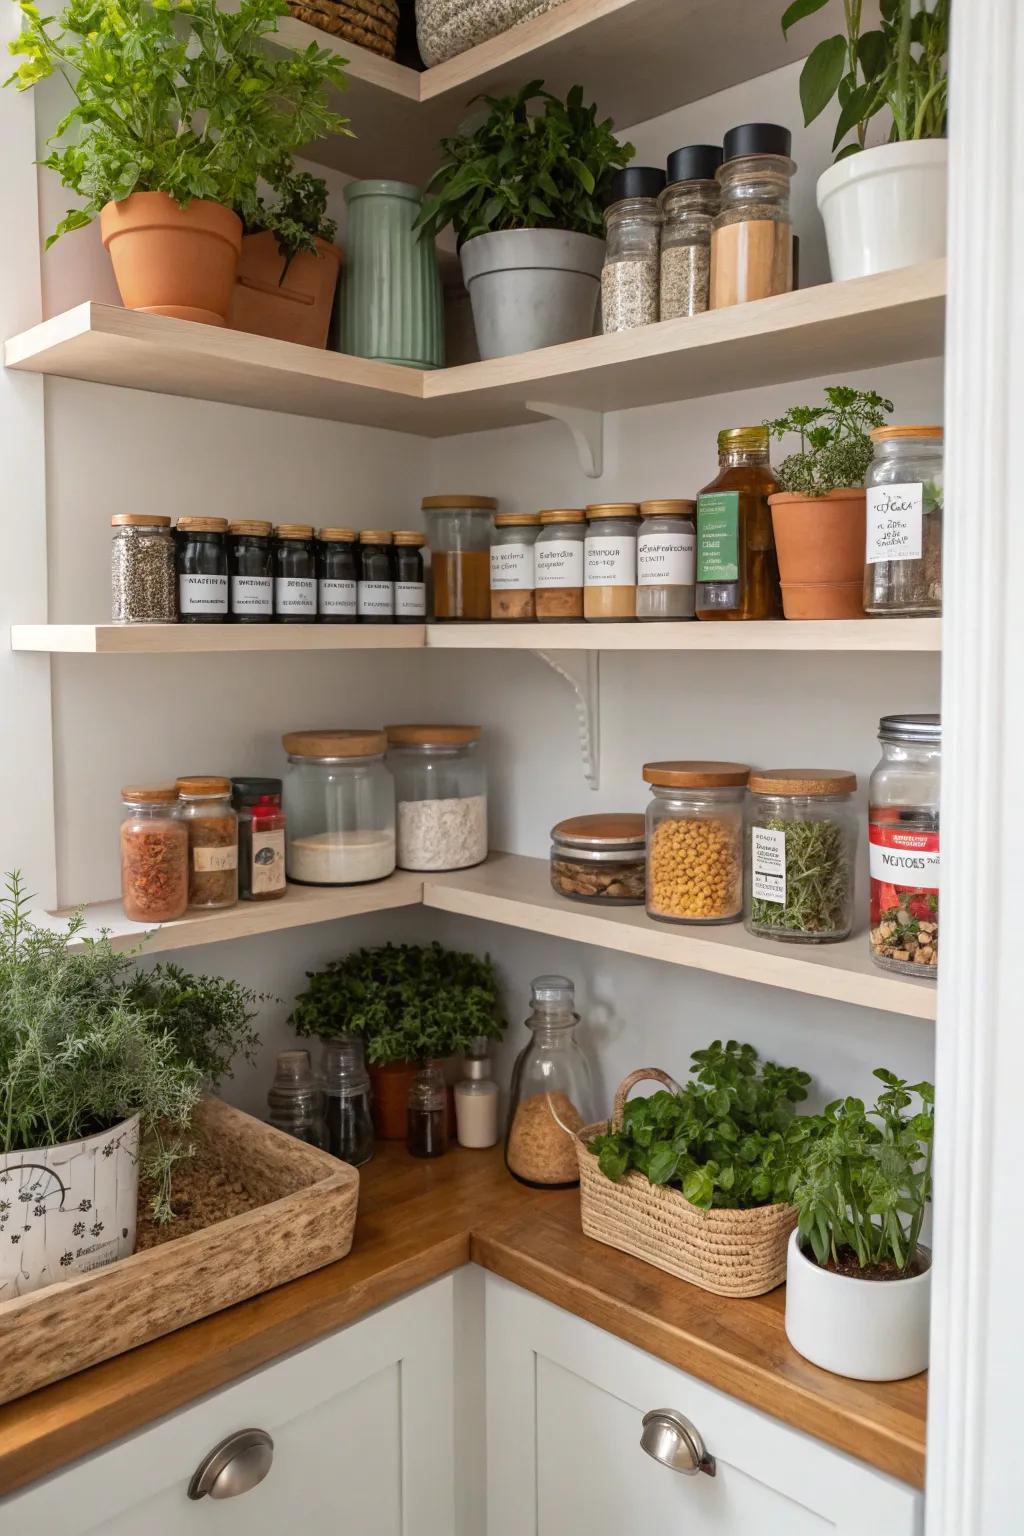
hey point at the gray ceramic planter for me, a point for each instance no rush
(531, 288)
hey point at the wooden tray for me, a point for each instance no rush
(308, 1222)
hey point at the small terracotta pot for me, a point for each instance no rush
(173, 261)
(297, 308)
(390, 1085)
(820, 542)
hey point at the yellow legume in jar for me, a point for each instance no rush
(694, 869)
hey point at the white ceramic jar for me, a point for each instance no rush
(885, 207)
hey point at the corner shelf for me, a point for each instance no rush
(212, 639)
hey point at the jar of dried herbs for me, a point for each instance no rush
(410, 579)
(629, 279)
(294, 574)
(212, 824)
(689, 205)
(154, 855)
(251, 567)
(903, 560)
(801, 843)
(201, 549)
(142, 581)
(337, 575)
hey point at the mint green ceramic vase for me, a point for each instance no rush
(391, 304)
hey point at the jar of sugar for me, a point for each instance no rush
(339, 803)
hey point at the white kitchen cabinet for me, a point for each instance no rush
(565, 1402)
(363, 1430)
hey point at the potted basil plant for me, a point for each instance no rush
(524, 192)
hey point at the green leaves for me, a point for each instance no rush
(835, 451)
(820, 76)
(798, 10)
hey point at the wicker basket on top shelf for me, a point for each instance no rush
(731, 1253)
(445, 28)
(370, 24)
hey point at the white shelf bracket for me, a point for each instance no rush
(582, 671)
(587, 428)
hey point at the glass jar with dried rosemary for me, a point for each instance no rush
(801, 842)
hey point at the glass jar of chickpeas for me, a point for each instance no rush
(695, 841)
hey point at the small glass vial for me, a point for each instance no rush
(212, 824)
(552, 1094)
(512, 567)
(629, 278)
(801, 843)
(695, 841)
(143, 588)
(410, 580)
(609, 562)
(346, 1085)
(752, 239)
(296, 1100)
(903, 565)
(376, 593)
(261, 824)
(737, 566)
(154, 855)
(476, 1101)
(201, 549)
(558, 565)
(666, 560)
(337, 574)
(427, 1116)
(903, 851)
(689, 206)
(251, 568)
(294, 574)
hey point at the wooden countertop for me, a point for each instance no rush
(420, 1220)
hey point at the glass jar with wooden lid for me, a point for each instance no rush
(802, 839)
(201, 555)
(737, 567)
(903, 566)
(558, 565)
(154, 854)
(600, 859)
(609, 562)
(294, 574)
(441, 794)
(336, 575)
(695, 841)
(251, 571)
(459, 535)
(666, 560)
(376, 590)
(212, 824)
(410, 582)
(143, 589)
(512, 566)
(339, 803)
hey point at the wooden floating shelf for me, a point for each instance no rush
(892, 317)
(212, 639)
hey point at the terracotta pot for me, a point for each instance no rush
(820, 542)
(295, 309)
(390, 1085)
(173, 261)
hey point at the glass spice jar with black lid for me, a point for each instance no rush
(294, 574)
(201, 548)
(376, 594)
(251, 568)
(261, 824)
(410, 583)
(337, 574)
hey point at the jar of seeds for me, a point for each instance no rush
(688, 207)
(629, 280)
(143, 588)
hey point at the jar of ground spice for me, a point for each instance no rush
(695, 841)
(609, 562)
(261, 825)
(752, 239)
(143, 588)
(629, 278)
(512, 566)
(903, 567)
(201, 545)
(558, 565)
(212, 824)
(666, 560)
(552, 1094)
(459, 535)
(376, 589)
(802, 838)
(154, 855)
(294, 574)
(689, 205)
(410, 580)
(251, 569)
(600, 859)
(337, 575)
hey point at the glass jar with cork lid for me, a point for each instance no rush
(339, 804)
(410, 582)
(512, 567)
(609, 562)
(294, 574)
(201, 557)
(337, 574)
(558, 565)
(695, 841)
(212, 824)
(154, 854)
(376, 589)
(666, 560)
(600, 859)
(802, 827)
(143, 587)
(459, 535)
(441, 794)
(251, 569)
(903, 567)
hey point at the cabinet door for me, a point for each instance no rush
(362, 1424)
(564, 1407)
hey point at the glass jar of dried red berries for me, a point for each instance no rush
(903, 838)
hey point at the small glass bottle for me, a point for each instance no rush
(376, 594)
(294, 574)
(251, 568)
(558, 565)
(476, 1100)
(512, 567)
(609, 562)
(695, 841)
(689, 206)
(201, 548)
(154, 855)
(212, 824)
(427, 1117)
(903, 569)
(903, 851)
(261, 825)
(552, 1094)
(296, 1100)
(346, 1084)
(801, 846)
(752, 239)
(143, 588)
(737, 566)
(666, 560)
(629, 279)
(337, 574)
(410, 581)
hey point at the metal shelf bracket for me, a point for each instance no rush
(587, 429)
(582, 671)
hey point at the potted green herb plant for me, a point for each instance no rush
(820, 514)
(524, 193)
(288, 269)
(885, 206)
(410, 1005)
(180, 109)
(858, 1281)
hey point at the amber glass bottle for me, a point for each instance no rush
(737, 567)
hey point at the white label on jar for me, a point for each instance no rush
(666, 559)
(559, 563)
(337, 596)
(768, 850)
(610, 560)
(410, 599)
(511, 567)
(202, 594)
(267, 871)
(904, 859)
(206, 860)
(894, 522)
(295, 594)
(376, 599)
(252, 594)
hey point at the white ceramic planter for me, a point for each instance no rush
(531, 288)
(67, 1209)
(885, 207)
(872, 1330)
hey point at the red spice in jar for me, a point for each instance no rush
(154, 855)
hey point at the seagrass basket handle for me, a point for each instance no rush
(625, 1088)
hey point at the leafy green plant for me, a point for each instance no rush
(901, 64)
(209, 1019)
(835, 446)
(298, 218)
(728, 1139)
(409, 1003)
(175, 96)
(864, 1177)
(523, 170)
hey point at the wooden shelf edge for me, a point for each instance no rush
(225, 639)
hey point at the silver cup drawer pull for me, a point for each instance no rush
(676, 1443)
(234, 1466)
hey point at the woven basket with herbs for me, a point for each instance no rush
(728, 1232)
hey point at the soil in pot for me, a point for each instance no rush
(289, 300)
(820, 542)
(205, 1190)
(173, 261)
(847, 1263)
